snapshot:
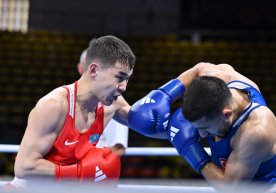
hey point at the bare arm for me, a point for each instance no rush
(244, 160)
(121, 109)
(38, 140)
(118, 111)
(223, 71)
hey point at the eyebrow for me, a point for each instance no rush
(122, 73)
(202, 127)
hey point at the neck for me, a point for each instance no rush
(85, 97)
(239, 103)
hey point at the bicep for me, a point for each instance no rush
(40, 133)
(240, 168)
(246, 158)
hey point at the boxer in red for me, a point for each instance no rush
(65, 125)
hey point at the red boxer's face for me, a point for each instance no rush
(112, 82)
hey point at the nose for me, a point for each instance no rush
(122, 86)
(203, 133)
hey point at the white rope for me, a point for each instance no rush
(2, 183)
(121, 188)
(167, 189)
(154, 151)
(45, 186)
(130, 151)
(9, 148)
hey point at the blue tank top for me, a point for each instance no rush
(221, 149)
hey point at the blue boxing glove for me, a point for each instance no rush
(150, 115)
(185, 138)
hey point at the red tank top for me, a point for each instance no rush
(71, 144)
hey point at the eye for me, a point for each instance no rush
(121, 78)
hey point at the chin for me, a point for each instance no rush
(107, 103)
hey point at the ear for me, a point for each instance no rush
(80, 68)
(227, 113)
(93, 67)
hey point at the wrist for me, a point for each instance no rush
(18, 183)
(174, 89)
(204, 167)
(202, 164)
(196, 156)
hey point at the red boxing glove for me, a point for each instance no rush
(97, 165)
(100, 164)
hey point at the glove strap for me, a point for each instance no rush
(67, 172)
(196, 156)
(174, 88)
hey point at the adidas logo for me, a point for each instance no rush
(147, 100)
(173, 132)
(99, 175)
(165, 124)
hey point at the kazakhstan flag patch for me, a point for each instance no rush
(94, 138)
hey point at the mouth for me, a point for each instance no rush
(212, 135)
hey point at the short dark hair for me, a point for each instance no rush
(206, 96)
(109, 50)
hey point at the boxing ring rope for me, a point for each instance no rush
(165, 189)
(155, 151)
(138, 151)
(9, 148)
(130, 151)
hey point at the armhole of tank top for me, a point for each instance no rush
(237, 84)
(71, 100)
(102, 106)
(69, 109)
(100, 116)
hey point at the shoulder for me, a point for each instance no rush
(52, 106)
(55, 100)
(257, 130)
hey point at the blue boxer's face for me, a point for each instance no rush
(217, 126)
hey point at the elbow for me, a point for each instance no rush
(227, 67)
(198, 68)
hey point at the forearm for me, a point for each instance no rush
(200, 69)
(215, 176)
(28, 168)
(187, 76)
(211, 172)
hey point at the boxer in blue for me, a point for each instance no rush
(226, 107)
